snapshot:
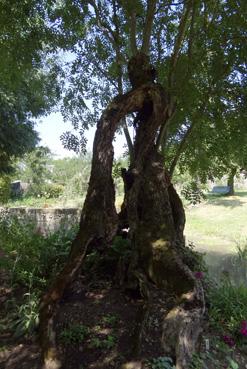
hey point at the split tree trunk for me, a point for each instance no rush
(153, 211)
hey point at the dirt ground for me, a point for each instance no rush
(98, 327)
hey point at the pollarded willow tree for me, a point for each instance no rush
(152, 57)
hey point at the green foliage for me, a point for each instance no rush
(162, 362)
(194, 259)
(192, 193)
(4, 189)
(228, 307)
(33, 259)
(26, 315)
(110, 319)
(34, 170)
(74, 334)
(51, 191)
(104, 343)
(120, 247)
(196, 362)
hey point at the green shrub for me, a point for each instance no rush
(52, 191)
(47, 191)
(33, 259)
(192, 193)
(228, 307)
(74, 334)
(194, 259)
(162, 362)
(4, 189)
(26, 316)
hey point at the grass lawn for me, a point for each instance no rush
(219, 222)
(217, 226)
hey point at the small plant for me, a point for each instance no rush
(110, 319)
(228, 310)
(194, 259)
(26, 316)
(109, 341)
(162, 362)
(103, 343)
(31, 257)
(192, 193)
(74, 334)
(121, 246)
(232, 364)
(196, 362)
(96, 343)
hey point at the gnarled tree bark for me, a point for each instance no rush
(153, 211)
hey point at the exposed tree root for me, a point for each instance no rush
(182, 327)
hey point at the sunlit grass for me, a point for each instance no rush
(218, 223)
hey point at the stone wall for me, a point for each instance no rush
(46, 220)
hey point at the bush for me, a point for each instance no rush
(194, 259)
(33, 259)
(52, 191)
(47, 191)
(192, 193)
(4, 189)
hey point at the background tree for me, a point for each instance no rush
(29, 86)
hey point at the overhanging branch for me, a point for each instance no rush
(179, 42)
(151, 5)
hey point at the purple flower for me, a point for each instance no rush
(198, 275)
(229, 341)
(244, 324)
(243, 329)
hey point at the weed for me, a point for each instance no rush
(194, 259)
(196, 362)
(121, 246)
(103, 343)
(96, 343)
(162, 362)
(232, 364)
(26, 316)
(110, 319)
(31, 257)
(228, 307)
(109, 341)
(74, 334)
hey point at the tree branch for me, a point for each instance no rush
(119, 80)
(148, 26)
(178, 42)
(163, 131)
(181, 149)
(103, 72)
(133, 45)
(102, 24)
(191, 36)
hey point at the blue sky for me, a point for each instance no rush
(51, 127)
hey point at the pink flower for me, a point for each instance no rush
(229, 341)
(244, 324)
(243, 329)
(198, 275)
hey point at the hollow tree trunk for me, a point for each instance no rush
(153, 211)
